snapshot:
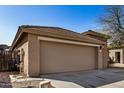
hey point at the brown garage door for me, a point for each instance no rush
(58, 57)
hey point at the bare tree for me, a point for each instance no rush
(113, 21)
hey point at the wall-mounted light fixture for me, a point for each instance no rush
(100, 49)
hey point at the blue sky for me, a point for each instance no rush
(75, 18)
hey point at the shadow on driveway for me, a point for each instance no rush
(91, 78)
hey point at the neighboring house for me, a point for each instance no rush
(4, 47)
(117, 56)
(53, 49)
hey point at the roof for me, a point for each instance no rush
(53, 32)
(90, 32)
(3, 47)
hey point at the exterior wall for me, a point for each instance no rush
(31, 46)
(105, 56)
(100, 58)
(34, 55)
(123, 56)
(112, 54)
(24, 45)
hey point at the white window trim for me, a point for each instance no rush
(66, 41)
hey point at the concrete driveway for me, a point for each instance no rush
(108, 78)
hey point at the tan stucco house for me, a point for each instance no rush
(117, 56)
(53, 49)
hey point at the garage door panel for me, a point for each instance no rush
(58, 57)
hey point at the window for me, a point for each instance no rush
(117, 57)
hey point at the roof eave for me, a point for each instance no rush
(27, 30)
(17, 37)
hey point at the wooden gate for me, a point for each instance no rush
(8, 60)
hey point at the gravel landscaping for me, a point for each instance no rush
(5, 80)
(14, 80)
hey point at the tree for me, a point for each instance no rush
(113, 21)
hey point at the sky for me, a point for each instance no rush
(75, 18)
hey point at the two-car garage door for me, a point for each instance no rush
(59, 57)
